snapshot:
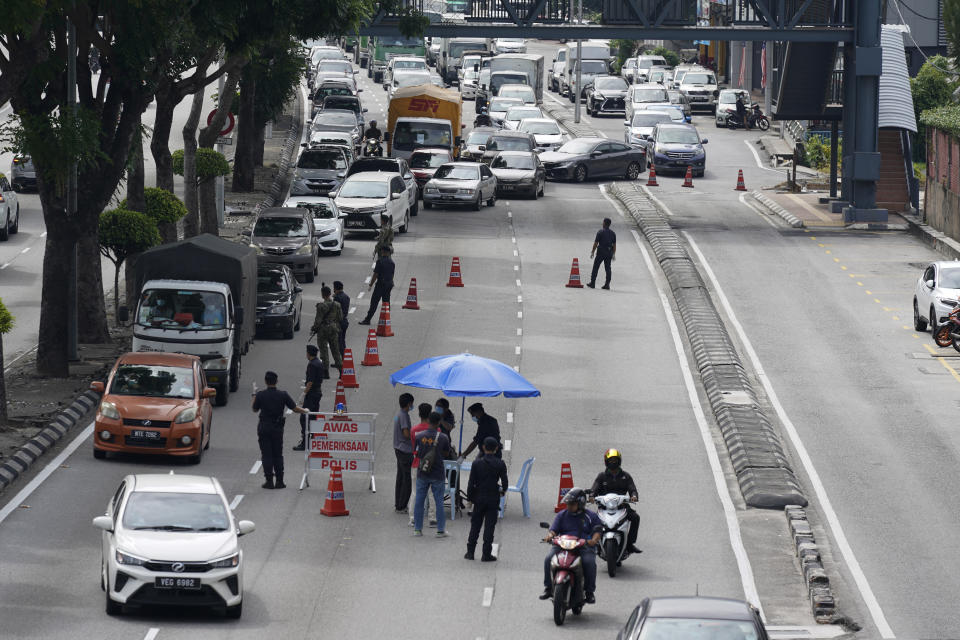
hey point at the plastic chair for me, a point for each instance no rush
(522, 487)
(450, 467)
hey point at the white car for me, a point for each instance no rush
(545, 131)
(520, 112)
(365, 197)
(509, 45)
(499, 107)
(9, 209)
(171, 539)
(468, 84)
(327, 221)
(936, 295)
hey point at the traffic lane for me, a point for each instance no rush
(838, 350)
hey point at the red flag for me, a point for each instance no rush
(743, 63)
(763, 66)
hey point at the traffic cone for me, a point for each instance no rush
(372, 356)
(335, 505)
(411, 302)
(383, 323)
(341, 396)
(455, 280)
(566, 483)
(349, 375)
(740, 185)
(575, 275)
(652, 177)
(688, 179)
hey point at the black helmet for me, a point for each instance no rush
(611, 458)
(373, 123)
(576, 495)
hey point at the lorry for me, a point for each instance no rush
(382, 48)
(423, 116)
(513, 68)
(361, 52)
(589, 50)
(198, 296)
(451, 54)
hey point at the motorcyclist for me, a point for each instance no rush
(741, 111)
(614, 479)
(575, 520)
(482, 119)
(373, 132)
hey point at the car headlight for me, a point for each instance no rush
(126, 558)
(948, 301)
(226, 563)
(465, 191)
(325, 232)
(430, 190)
(215, 363)
(278, 309)
(109, 410)
(187, 415)
(526, 180)
(306, 249)
(257, 249)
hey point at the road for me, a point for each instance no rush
(843, 367)
(21, 258)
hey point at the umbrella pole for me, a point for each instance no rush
(457, 496)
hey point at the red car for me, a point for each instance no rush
(154, 403)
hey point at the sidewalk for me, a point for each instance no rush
(807, 208)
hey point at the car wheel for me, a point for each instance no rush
(543, 187)
(633, 171)
(296, 327)
(406, 223)
(234, 612)
(99, 454)
(919, 324)
(288, 334)
(16, 222)
(209, 436)
(112, 608)
(316, 266)
(195, 459)
(580, 173)
(932, 319)
(5, 227)
(309, 276)
(416, 207)
(493, 200)
(235, 370)
(476, 203)
(222, 396)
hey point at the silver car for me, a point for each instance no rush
(639, 128)
(457, 183)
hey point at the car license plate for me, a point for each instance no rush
(177, 583)
(145, 435)
(446, 197)
(506, 187)
(355, 223)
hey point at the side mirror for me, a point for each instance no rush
(929, 284)
(97, 386)
(209, 392)
(395, 195)
(244, 527)
(298, 289)
(303, 144)
(356, 70)
(238, 315)
(704, 141)
(246, 232)
(458, 141)
(626, 123)
(359, 90)
(364, 110)
(484, 87)
(123, 313)
(386, 87)
(594, 154)
(386, 136)
(103, 522)
(482, 147)
(343, 215)
(476, 67)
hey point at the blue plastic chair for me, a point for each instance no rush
(522, 487)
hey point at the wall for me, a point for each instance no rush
(941, 200)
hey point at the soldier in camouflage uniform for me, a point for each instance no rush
(327, 327)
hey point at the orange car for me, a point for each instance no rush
(154, 403)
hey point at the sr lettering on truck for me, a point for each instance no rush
(424, 104)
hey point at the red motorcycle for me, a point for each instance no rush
(948, 333)
(566, 572)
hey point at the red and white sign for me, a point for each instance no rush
(344, 440)
(230, 124)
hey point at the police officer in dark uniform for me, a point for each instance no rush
(311, 390)
(605, 249)
(488, 481)
(341, 298)
(271, 402)
(615, 480)
(381, 282)
(487, 427)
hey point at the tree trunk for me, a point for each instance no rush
(130, 282)
(191, 222)
(136, 201)
(52, 344)
(91, 306)
(3, 388)
(160, 142)
(210, 133)
(116, 291)
(243, 157)
(258, 149)
(207, 190)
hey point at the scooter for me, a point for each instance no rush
(755, 118)
(948, 333)
(612, 510)
(372, 147)
(566, 573)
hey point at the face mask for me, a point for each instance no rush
(613, 466)
(475, 418)
(438, 409)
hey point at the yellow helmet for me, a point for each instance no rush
(612, 454)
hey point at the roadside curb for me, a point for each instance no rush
(561, 115)
(14, 466)
(788, 217)
(822, 602)
(756, 453)
(282, 179)
(937, 240)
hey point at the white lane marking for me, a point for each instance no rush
(11, 362)
(495, 551)
(557, 100)
(756, 156)
(48, 470)
(43, 235)
(519, 298)
(352, 309)
(509, 416)
(152, 633)
(487, 596)
(507, 202)
(509, 214)
(516, 350)
(515, 253)
(507, 444)
(236, 501)
(255, 467)
(516, 267)
(25, 250)
(766, 218)
(656, 201)
(519, 331)
(516, 368)
(852, 563)
(514, 239)
(4, 265)
(518, 283)
(360, 295)
(367, 279)
(720, 483)
(520, 315)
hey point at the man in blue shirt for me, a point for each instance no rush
(575, 521)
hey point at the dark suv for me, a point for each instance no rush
(285, 235)
(507, 141)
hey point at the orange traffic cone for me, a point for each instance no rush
(349, 375)
(652, 177)
(372, 356)
(341, 396)
(455, 280)
(688, 179)
(383, 323)
(740, 185)
(566, 483)
(575, 275)
(335, 505)
(411, 302)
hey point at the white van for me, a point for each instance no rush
(647, 63)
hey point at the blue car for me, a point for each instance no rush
(674, 147)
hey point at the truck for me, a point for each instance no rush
(451, 53)
(213, 318)
(382, 48)
(513, 68)
(423, 116)
(589, 50)
(361, 52)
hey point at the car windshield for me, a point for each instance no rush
(502, 104)
(697, 629)
(729, 97)
(271, 281)
(332, 90)
(342, 66)
(319, 210)
(699, 78)
(457, 48)
(497, 81)
(428, 160)
(524, 93)
(412, 134)
(950, 278)
(541, 128)
(321, 159)
(675, 114)
(410, 79)
(339, 102)
(642, 94)
(611, 84)
(409, 64)
(181, 309)
(519, 113)
(631, 63)
(478, 137)
(512, 162)
(648, 119)
(577, 147)
(324, 119)
(470, 74)
(678, 135)
(363, 189)
(167, 511)
(320, 54)
(152, 380)
(511, 143)
(594, 67)
(275, 227)
(457, 172)
(395, 41)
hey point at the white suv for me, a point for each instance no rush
(9, 209)
(936, 294)
(366, 196)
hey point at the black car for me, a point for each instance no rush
(693, 617)
(584, 158)
(507, 141)
(606, 94)
(519, 172)
(22, 174)
(279, 304)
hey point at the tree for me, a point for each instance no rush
(951, 26)
(123, 233)
(625, 49)
(164, 208)
(208, 164)
(6, 325)
(931, 88)
(672, 57)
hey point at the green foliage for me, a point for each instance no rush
(6, 321)
(951, 25)
(920, 173)
(944, 118)
(817, 152)
(931, 88)
(625, 49)
(672, 57)
(210, 163)
(162, 206)
(277, 78)
(124, 232)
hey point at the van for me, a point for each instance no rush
(646, 64)
(590, 50)
(700, 87)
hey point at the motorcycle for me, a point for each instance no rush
(566, 573)
(948, 333)
(755, 118)
(482, 120)
(612, 510)
(372, 147)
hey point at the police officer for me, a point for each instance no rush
(614, 479)
(605, 249)
(487, 427)
(326, 325)
(381, 282)
(488, 481)
(270, 402)
(312, 380)
(385, 237)
(341, 298)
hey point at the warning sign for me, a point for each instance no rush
(347, 441)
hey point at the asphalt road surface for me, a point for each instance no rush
(826, 315)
